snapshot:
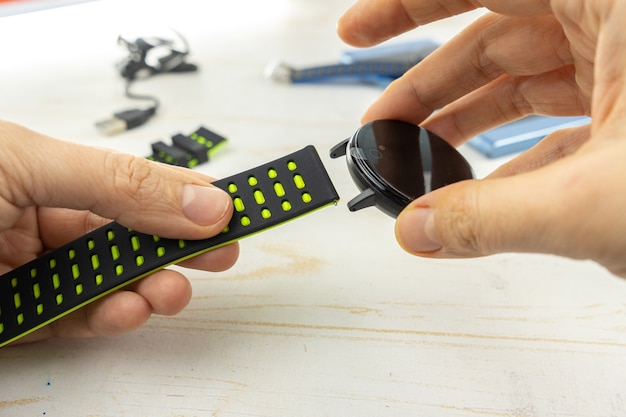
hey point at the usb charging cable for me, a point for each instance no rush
(130, 118)
(147, 57)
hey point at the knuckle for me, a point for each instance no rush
(133, 176)
(16, 178)
(461, 220)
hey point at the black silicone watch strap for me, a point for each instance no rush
(112, 256)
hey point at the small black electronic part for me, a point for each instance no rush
(174, 155)
(394, 162)
(147, 57)
(195, 149)
(188, 150)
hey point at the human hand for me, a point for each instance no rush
(561, 57)
(52, 192)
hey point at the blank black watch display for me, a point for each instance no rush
(394, 162)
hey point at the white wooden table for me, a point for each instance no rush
(325, 316)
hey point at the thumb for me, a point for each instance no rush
(530, 212)
(150, 197)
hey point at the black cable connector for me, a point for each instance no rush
(137, 66)
(125, 120)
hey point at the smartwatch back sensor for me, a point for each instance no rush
(394, 162)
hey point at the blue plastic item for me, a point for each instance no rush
(522, 134)
(378, 65)
(413, 51)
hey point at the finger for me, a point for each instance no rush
(369, 22)
(134, 191)
(557, 145)
(216, 260)
(21, 243)
(166, 292)
(556, 209)
(609, 77)
(58, 226)
(506, 99)
(488, 49)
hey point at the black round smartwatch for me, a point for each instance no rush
(394, 162)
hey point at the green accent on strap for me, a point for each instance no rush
(75, 271)
(238, 204)
(36, 291)
(115, 252)
(299, 181)
(279, 189)
(259, 197)
(95, 261)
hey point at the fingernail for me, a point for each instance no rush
(204, 205)
(416, 231)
